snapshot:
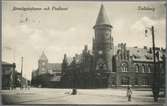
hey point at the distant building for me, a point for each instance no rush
(52, 70)
(9, 75)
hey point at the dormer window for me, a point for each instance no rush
(136, 56)
(148, 57)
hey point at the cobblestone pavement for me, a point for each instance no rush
(84, 96)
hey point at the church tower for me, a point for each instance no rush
(103, 47)
(42, 64)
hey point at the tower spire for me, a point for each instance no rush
(102, 18)
(43, 56)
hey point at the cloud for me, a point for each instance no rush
(30, 41)
(141, 24)
(137, 31)
(26, 29)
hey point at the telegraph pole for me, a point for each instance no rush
(155, 85)
(21, 82)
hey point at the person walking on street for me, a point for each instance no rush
(129, 93)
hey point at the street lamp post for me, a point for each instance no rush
(155, 86)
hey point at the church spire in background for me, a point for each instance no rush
(43, 56)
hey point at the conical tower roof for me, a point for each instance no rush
(43, 56)
(102, 18)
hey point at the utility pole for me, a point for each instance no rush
(74, 90)
(21, 82)
(155, 85)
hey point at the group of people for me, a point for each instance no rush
(129, 92)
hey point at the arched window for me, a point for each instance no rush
(143, 68)
(124, 67)
(149, 69)
(137, 68)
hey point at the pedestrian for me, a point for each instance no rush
(129, 93)
(74, 91)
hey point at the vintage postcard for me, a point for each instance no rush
(84, 53)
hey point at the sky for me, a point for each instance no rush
(28, 33)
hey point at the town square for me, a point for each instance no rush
(84, 53)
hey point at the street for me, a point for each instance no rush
(84, 96)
